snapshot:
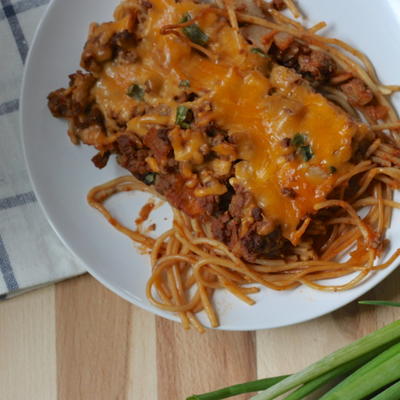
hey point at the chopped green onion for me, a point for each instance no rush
(235, 390)
(380, 303)
(332, 169)
(150, 178)
(136, 92)
(184, 83)
(299, 139)
(184, 117)
(391, 393)
(356, 349)
(377, 373)
(194, 32)
(260, 52)
(306, 152)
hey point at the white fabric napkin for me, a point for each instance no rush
(31, 254)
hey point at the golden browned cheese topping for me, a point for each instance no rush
(292, 143)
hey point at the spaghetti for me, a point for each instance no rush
(347, 209)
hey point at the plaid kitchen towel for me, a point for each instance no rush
(31, 254)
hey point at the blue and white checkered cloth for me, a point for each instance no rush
(31, 254)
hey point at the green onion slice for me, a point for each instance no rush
(260, 52)
(184, 117)
(184, 83)
(194, 32)
(299, 139)
(150, 178)
(136, 92)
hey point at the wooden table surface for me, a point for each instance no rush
(77, 340)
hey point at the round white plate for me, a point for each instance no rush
(62, 174)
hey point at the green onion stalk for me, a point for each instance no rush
(253, 386)
(377, 373)
(370, 364)
(385, 335)
(379, 303)
(391, 393)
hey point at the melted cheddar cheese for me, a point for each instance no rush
(260, 105)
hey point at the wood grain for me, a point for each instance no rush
(190, 363)
(93, 341)
(295, 347)
(27, 347)
(80, 341)
(142, 366)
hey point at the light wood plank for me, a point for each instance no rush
(27, 347)
(287, 350)
(93, 340)
(389, 289)
(142, 376)
(108, 349)
(188, 362)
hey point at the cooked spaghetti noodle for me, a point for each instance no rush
(189, 261)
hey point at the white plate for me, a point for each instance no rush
(62, 173)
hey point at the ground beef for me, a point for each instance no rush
(157, 141)
(219, 228)
(288, 55)
(132, 156)
(123, 44)
(75, 100)
(283, 40)
(257, 241)
(172, 187)
(77, 104)
(287, 58)
(100, 159)
(66, 103)
(237, 204)
(59, 103)
(216, 134)
(316, 65)
(92, 116)
(103, 44)
(240, 200)
(376, 111)
(233, 227)
(81, 85)
(123, 40)
(137, 165)
(252, 244)
(227, 230)
(357, 92)
(257, 214)
(209, 204)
